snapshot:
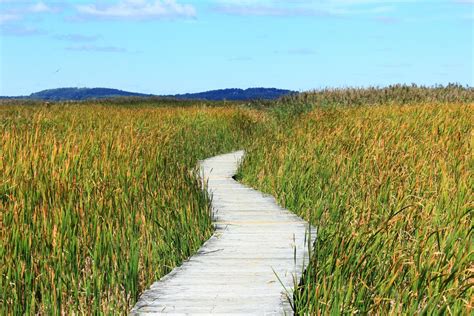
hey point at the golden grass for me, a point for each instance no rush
(390, 189)
(97, 202)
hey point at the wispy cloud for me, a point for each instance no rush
(14, 13)
(8, 17)
(23, 9)
(302, 51)
(76, 37)
(95, 48)
(266, 10)
(19, 30)
(303, 7)
(41, 7)
(136, 10)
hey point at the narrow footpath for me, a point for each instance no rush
(257, 250)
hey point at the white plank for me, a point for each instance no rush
(235, 271)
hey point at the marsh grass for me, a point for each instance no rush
(391, 95)
(390, 190)
(98, 199)
(97, 202)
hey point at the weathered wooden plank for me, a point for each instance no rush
(235, 271)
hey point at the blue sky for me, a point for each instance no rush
(176, 46)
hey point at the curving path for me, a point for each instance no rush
(235, 271)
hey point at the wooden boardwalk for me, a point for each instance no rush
(235, 271)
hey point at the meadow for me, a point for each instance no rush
(390, 190)
(99, 199)
(97, 202)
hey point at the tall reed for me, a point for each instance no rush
(390, 190)
(97, 202)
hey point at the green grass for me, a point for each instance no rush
(98, 202)
(98, 199)
(390, 190)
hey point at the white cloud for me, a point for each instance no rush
(19, 11)
(8, 17)
(40, 7)
(305, 7)
(14, 14)
(137, 10)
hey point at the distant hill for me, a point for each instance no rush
(63, 94)
(77, 94)
(236, 94)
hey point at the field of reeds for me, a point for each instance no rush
(97, 202)
(98, 199)
(390, 190)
